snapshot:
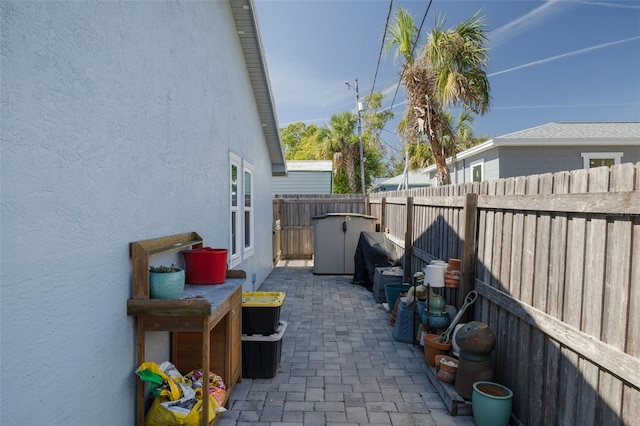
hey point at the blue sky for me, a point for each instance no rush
(549, 61)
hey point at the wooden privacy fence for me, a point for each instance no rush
(555, 259)
(293, 220)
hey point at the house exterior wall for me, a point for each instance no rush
(302, 183)
(460, 170)
(524, 161)
(117, 122)
(512, 161)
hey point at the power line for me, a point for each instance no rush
(412, 53)
(384, 36)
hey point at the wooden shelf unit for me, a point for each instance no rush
(205, 324)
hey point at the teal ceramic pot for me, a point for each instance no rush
(436, 319)
(491, 404)
(166, 285)
(436, 303)
(393, 291)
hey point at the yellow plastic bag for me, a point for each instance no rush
(152, 373)
(158, 415)
(217, 388)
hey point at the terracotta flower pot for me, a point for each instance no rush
(431, 348)
(454, 265)
(446, 368)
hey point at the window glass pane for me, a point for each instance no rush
(599, 162)
(477, 173)
(247, 229)
(247, 189)
(234, 250)
(234, 185)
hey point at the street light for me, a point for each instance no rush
(359, 109)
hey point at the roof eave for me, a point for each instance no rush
(244, 15)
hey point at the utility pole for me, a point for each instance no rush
(359, 109)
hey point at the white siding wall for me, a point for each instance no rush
(117, 118)
(302, 183)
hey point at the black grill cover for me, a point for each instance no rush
(373, 250)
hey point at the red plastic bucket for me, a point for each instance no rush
(205, 265)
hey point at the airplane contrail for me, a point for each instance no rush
(564, 55)
(525, 22)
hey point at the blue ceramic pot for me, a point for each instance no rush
(166, 285)
(436, 319)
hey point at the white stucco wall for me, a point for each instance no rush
(117, 118)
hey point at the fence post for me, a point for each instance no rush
(383, 214)
(408, 242)
(469, 227)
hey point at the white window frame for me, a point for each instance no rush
(234, 257)
(247, 168)
(473, 164)
(243, 251)
(588, 156)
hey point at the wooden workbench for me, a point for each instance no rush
(205, 324)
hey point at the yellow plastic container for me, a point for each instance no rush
(262, 299)
(261, 312)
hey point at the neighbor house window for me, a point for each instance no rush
(241, 208)
(599, 159)
(477, 170)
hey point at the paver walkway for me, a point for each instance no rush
(340, 364)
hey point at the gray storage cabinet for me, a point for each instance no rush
(335, 239)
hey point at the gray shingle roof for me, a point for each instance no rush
(559, 130)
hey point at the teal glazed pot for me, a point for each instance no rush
(166, 285)
(436, 319)
(491, 404)
(476, 341)
(436, 303)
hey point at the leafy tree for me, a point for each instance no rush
(338, 141)
(299, 141)
(374, 119)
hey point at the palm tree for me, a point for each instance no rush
(339, 140)
(402, 33)
(450, 71)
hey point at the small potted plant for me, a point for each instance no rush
(166, 282)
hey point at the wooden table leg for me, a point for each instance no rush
(206, 348)
(140, 355)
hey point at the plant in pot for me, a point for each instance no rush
(166, 282)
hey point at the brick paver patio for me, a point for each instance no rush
(340, 364)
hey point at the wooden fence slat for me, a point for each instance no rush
(616, 296)
(592, 299)
(630, 406)
(551, 383)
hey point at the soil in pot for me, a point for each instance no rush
(492, 390)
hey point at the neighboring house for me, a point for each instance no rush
(548, 148)
(415, 180)
(121, 121)
(305, 177)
